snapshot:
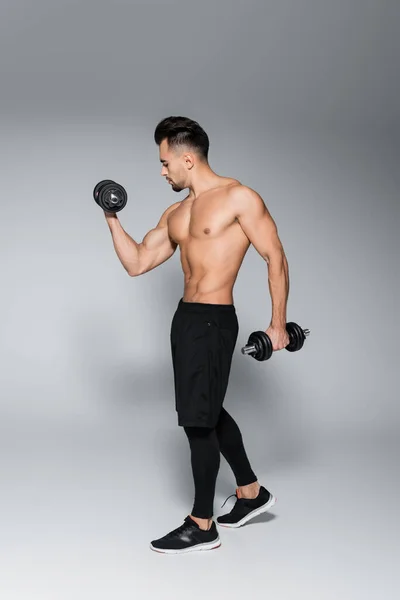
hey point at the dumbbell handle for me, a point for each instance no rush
(251, 348)
(248, 349)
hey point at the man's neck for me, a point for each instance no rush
(204, 181)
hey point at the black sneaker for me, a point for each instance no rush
(246, 509)
(187, 538)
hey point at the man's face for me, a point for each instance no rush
(172, 167)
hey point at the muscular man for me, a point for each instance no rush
(213, 227)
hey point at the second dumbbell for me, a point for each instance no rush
(259, 345)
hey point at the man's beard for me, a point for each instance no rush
(176, 188)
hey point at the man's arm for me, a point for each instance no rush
(155, 249)
(261, 230)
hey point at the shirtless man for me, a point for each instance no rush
(213, 227)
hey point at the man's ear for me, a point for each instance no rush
(189, 160)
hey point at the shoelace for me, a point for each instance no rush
(228, 499)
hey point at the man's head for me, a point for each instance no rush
(183, 146)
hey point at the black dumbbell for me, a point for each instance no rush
(110, 196)
(259, 345)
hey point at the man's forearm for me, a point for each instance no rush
(126, 248)
(278, 281)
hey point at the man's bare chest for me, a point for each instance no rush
(200, 221)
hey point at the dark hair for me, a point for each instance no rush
(181, 131)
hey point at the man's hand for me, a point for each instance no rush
(110, 216)
(279, 337)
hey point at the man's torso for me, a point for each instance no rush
(211, 242)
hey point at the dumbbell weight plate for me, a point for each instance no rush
(112, 197)
(296, 336)
(98, 187)
(263, 344)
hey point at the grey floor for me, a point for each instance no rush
(82, 499)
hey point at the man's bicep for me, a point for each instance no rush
(157, 246)
(257, 223)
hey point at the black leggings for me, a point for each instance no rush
(206, 444)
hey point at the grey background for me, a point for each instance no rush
(301, 102)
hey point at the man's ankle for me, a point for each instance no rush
(249, 491)
(204, 524)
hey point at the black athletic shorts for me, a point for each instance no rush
(203, 337)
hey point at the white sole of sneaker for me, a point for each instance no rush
(209, 546)
(251, 515)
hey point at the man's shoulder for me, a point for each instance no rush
(239, 192)
(239, 189)
(167, 213)
(243, 199)
(172, 207)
